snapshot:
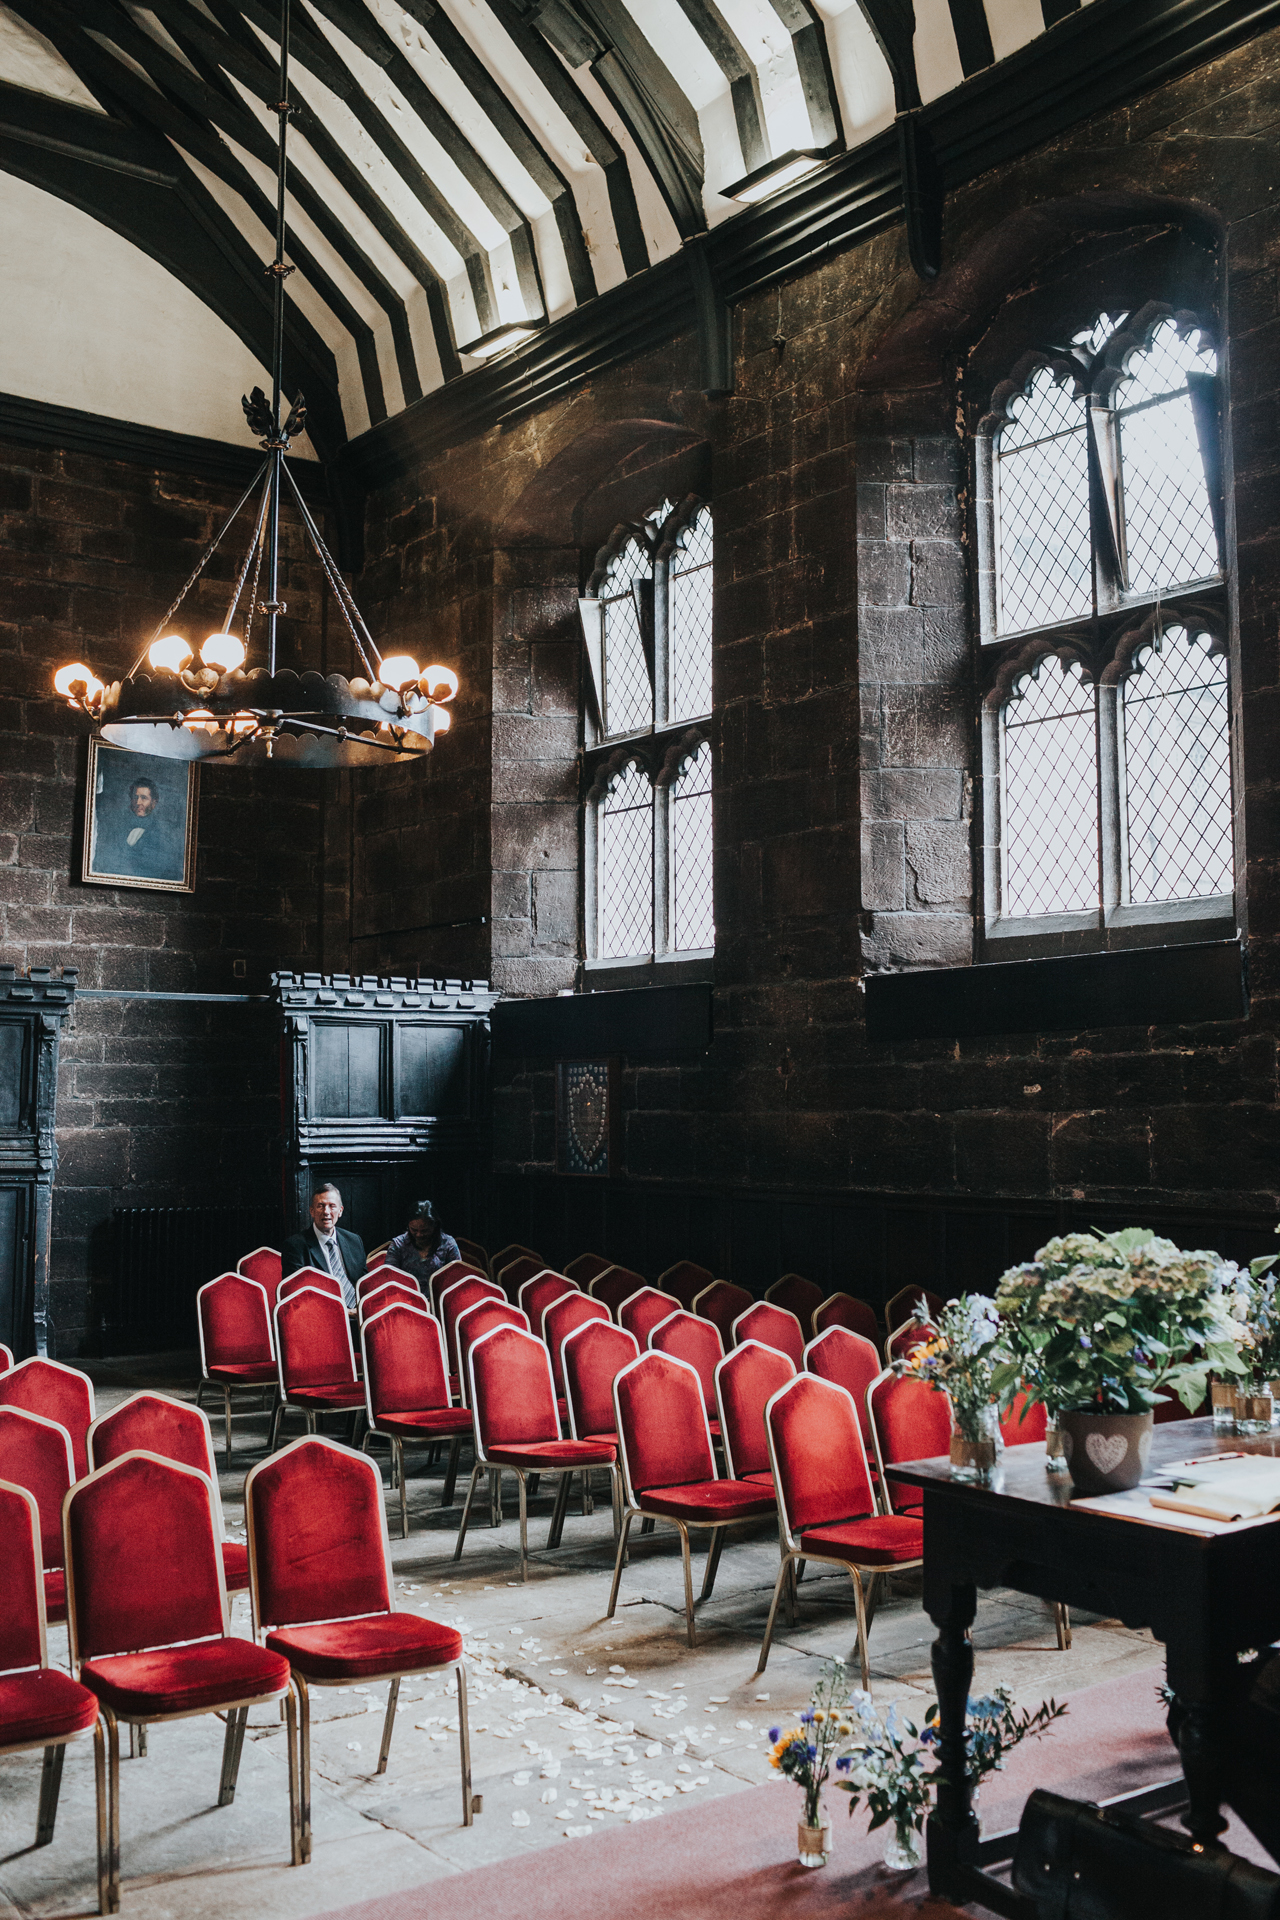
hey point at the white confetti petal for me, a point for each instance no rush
(576, 1833)
(651, 1753)
(745, 1725)
(549, 1794)
(353, 1746)
(519, 1818)
(718, 1699)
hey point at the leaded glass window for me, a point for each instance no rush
(647, 624)
(1177, 766)
(1050, 799)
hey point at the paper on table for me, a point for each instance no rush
(1136, 1505)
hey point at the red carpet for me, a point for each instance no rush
(734, 1858)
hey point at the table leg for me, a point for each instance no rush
(1200, 1745)
(952, 1832)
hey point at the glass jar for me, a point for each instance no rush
(904, 1847)
(1055, 1460)
(1222, 1398)
(1254, 1409)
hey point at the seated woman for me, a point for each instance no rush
(424, 1247)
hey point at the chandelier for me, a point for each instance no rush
(215, 706)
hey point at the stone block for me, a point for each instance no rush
(938, 863)
(890, 644)
(884, 876)
(922, 513)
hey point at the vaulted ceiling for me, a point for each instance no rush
(456, 164)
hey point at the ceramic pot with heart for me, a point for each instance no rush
(1106, 1452)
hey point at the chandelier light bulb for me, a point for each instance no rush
(397, 671)
(223, 651)
(438, 684)
(170, 654)
(73, 682)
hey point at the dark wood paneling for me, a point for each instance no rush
(640, 1022)
(13, 1079)
(348, 1070)
(433, 1076)
(13, 1268)
(1141, 987)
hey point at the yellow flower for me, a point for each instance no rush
(819, 1717)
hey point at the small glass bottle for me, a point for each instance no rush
(1222, 1396)
(1255, 1409)
(1055, 1460)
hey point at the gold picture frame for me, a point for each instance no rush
(128, 843)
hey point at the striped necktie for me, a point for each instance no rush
(333, 1255)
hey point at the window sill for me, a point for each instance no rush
(1163, 924)
(668, 969)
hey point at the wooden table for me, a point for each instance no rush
(1205, 1599)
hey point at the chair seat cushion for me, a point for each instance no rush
(554, 1455)
(247, 1373)
(185, 1679)
(46, 1705)
(714, 1500)
(427, 1425)
(55, 1595)
(764, 1479)
(874, 1542)
(363, 1649)
(235, 1566)
(601, 1440)
(326, 1399)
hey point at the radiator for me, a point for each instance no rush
(161, 1257)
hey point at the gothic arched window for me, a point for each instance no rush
(1107, 766)
(646, 617)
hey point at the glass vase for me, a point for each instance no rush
(813, 1844)
(1254, 1409)
(1055, 1460)
(1222, 1399)
(973, 1443)
(904, 1847)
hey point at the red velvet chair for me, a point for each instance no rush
(406, 1385)
(515, 1251)
(385, 1275)
(473, 1253)
(40, 1706)
(473, 1324)
(266, 1267)
(795, 1295)
(615, 1285)
(455, 1300)
(156, 1423)
(685, 1280)
(378, 1258)
(688, 1337)
(516, 1426)
(644, 1310)
(907, 1338)
(35, 1454)
(848, 1361)
(772, 1327)
(513, 1276)
(314, 1277)
(1026, 1422)
(233, 1319)
(909, 1421)
(593, 1355)
(324, 1595)
(826, 1508)
(144, 1572)
(315, 1357)
(669, 1470)
(6, 1357)
(843, 1310)
(904, 1303)
(746, 1381)
(585, 1268)
(56, 1393)
(379, 1298)
(448, 1276)
(536, 1295)
(559, 1320)
(721, 1303)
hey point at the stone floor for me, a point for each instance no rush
(578, 1722)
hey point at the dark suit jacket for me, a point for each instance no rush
(303, 1250)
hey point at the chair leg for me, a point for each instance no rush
(50, 1786)
(469, 1800)
(873, 1596)
(232, 1747)
(524, 1524)
(100, 1796)
(277, 1416)
(688, 1585)
(615, 1493)
(781, 1582)
(793, 1613)
(713, 1562)
(291, 1735)
(397, 1458)
(451, 1472)
(137, 1740)
(226, 1408)
(560, 1509)
(861, 1605)
(1062, 1624)
(476, 1471)
(113, 1810)
(495, 1496)
(588, 1498)
(304, 1765)
(618, 1560)
(388, 1725)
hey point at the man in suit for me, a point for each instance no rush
(326, 1245)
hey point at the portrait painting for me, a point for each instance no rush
(140, 820)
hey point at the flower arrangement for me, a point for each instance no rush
(959, 1358)
(887, 1765)
(1100, 1322)
(1258, 1310)
(805, 1753)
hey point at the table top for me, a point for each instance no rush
(1020, 1471)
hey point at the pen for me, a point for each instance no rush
(1208, 1459)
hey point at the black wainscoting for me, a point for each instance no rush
(866, 1244)
(162, 1256)
(642, 1022)
(1073, 993)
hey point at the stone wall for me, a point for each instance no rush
(162, 1102)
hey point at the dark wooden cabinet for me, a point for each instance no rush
(386, 1092)
(33, 1007)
